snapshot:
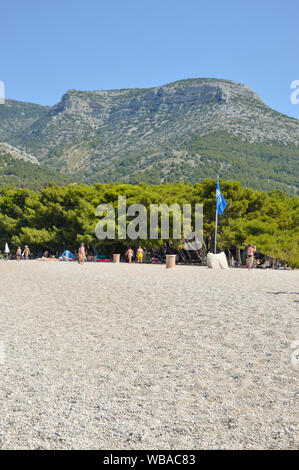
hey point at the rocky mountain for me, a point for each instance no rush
(18, 168)
(16, 116)
(186, 130)
(17, 154)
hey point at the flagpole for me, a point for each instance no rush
(216, 224)
(216, 227)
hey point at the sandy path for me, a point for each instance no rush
(107, 356)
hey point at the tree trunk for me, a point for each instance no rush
(229, 257)
(183, 256)
(188, 256)
(238, 255)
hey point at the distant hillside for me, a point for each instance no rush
(20, 169)
(16, 116)
(186, 130)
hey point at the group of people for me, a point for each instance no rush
(267, 263)
(258, 262)
(129, 254)
(82, 254)
(25, 254)
(235, 263)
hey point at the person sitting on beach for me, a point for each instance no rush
(140, 253)
(266, 264)
(250, 251)
(81, 254)
(130, 254)
(26, 252)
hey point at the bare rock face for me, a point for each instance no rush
(6, 149)
(112, 105)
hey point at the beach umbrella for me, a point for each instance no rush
(6, 250)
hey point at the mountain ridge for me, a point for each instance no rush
(96, 135)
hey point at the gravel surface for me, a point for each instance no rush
(106, 356)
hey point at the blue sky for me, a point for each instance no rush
(48, 47)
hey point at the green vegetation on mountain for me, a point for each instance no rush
(183, 131)
(58, 218)
(260, 166)
(16, 116)
(19, 173)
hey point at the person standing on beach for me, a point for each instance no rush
(140, 253)
(250, 251)
(130, 254)
(81, 254)
(26, 252)
(19, 253)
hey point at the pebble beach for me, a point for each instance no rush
(113, 356)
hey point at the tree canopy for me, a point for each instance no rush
(60, 217)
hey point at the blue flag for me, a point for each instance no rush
(220, 201)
